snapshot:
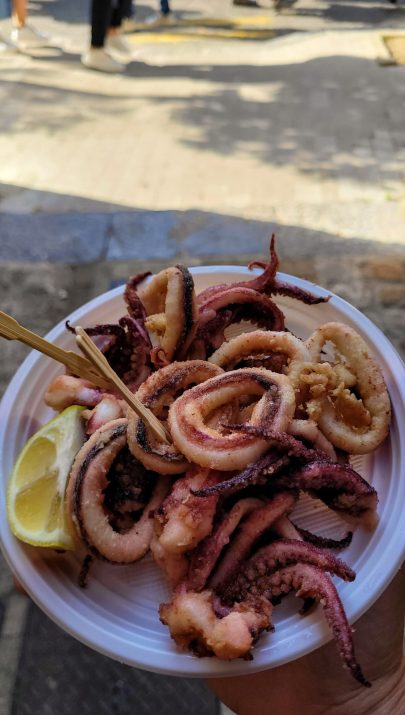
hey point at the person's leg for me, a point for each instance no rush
(115, 40)
(162, 16)
(101, 11)
(164, 7)
(22, 35)
(127, 9)
(19, 12)
(97, 57)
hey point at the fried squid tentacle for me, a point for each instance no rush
(234, 304)
(338, 485)
(325, 542)
(256, 473)
(257, 523)
(207, 553)
(267, 282)
(309, 431)
(252, 576)
(311, 582)
(213, 449)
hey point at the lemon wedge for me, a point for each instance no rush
(36, 490)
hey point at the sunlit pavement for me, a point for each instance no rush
(228, 124)
(305, 129)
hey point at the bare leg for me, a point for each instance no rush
(19, 13)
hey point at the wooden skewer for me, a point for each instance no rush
(97, 358)
(76, 364)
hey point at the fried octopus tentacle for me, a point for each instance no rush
(324, 542)
(206, 554)
(256, 473)
(267, 282)
(246, 345)
(253, 575)
(269, 465)
(131, 296)
(259, 283)
(309, 430)
(311, 582)
(255, 525)
(338, 485)
(156, 393)
(85, 499)
(209, 447)
(372, 410)
(281, 440)
(125, 345)
(232, 305)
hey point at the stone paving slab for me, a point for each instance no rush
(62, 238)
(188, 236)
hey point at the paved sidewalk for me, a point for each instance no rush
(197, 153)
(304, 131)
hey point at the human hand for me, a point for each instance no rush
(318, 684)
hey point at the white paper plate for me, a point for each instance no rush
(117, 613)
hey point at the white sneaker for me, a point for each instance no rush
(96, 58)
(6, 44)
(27, 36)
(118, 43)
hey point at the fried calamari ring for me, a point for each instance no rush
(170, 303)
(213, 449)
(85, 499)
(156, 393)
(258, 342)
(356, 421)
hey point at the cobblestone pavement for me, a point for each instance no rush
(197, 153)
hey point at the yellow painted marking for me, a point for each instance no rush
(396, 47)
(241, 28)
(157, 38)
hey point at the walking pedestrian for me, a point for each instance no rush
(24, 35)
(161, 17)
(106, 37)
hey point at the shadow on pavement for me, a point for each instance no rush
(93, 233)
(294, 118)
(71, 11)
(364, 12)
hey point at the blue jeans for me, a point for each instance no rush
(164, 7)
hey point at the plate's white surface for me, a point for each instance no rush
(117, 613)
